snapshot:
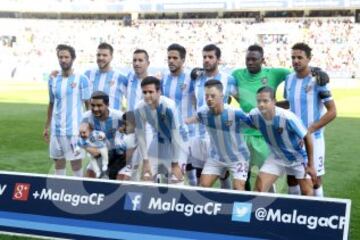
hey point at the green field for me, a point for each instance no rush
(23, 110)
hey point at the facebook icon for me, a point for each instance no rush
(133, 201)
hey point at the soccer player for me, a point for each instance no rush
(178, 86)
(105, 79)
(67, 91)
(289, 141)
(308, 99)
(133, 84)
(211, 59)
(95, 140)
(160, 112)
(228, 151)
(107, 120)
(248, 81)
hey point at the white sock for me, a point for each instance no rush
(60, 172)
(191, 176)
(226, 183)
(319, 192)
(78, 173)
(294, 190)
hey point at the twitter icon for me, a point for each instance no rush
(241, 212)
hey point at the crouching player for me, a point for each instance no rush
(228, 150)
(289, 141)
(94, 143)
(125, 144)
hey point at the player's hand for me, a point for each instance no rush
(146, 174)
(196, 72)
(54, 73)
(176, 172)
(311, 129)
(312, 172)
(322, 78)
(46, 135)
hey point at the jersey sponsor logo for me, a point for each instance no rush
(133, 201)
(228, 123)
(188, 209)
(2, 189)
(241, 212)
(264, 81)
(311, 222)
(21, 192)
(75, 200)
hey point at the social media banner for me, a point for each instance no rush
(75, 208)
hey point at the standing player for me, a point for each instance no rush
(67, 91)
(289, 141)
(308, 98)
(177, 85)
(228, 150)
(133, 84)
(248, 81)
(160, 112)
(105, 79)
(107, 120)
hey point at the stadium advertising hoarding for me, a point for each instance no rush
(85, 209)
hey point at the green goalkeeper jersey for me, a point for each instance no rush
(248, 84)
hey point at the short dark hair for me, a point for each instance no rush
(214, 83)
(303, 47)
(129, 116)
(137, 51)
(179, 48)
(64, 47)
(213, 47)
(100, 95)
(256, 48)
(105, 45)
(267, 89)
(151, 80)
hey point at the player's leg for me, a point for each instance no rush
(225, 180)
(69, 144)
(211, 172)
(197, 157)
(57, 154)
(298, 171)
(125, 173)
(104, 159)
(116, 162)
(269, 173)
(319, 164)
(293, 185)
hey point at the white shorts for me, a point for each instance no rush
(319, 154)
(198, 152)
(63, 147)
(277, 167)
(238, 169)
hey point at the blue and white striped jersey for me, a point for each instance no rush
(229, 85)
(227, 142)
(109, 126)
(123, 142)
(133, 91)
(164, 120)
(306, 98)
(111, 82)
(181, 90)
(284, 134)
(96, 139)
(67, 95)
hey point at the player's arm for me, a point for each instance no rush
(48, 121)
(191, 120)
(326, 118)
(95, 152)
(309, 168)
(283, 104)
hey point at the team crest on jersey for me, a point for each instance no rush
(264, 81)
(308, 87)
(280, 130)
(229, 123)
(73, 85)
(183, 86)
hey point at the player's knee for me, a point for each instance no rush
(259, 185)
(292, 181)
(307, 191)
(239, 185)
(204, 182)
